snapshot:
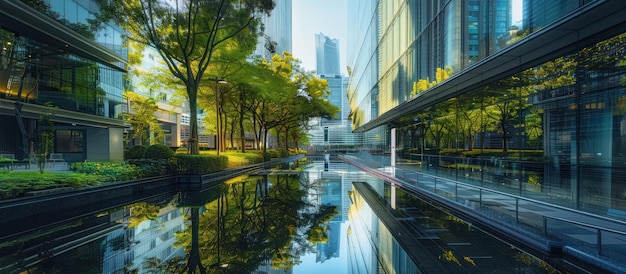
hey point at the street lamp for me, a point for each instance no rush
(218, 136)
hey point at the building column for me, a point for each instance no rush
(393, 151)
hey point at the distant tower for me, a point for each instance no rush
(327, 51)
(338, 85)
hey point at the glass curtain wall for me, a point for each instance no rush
(555, 132)
(61, 79)
(400, 49)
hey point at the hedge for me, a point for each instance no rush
(200, 164)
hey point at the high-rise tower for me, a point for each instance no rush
(327, 53)
(276, 38)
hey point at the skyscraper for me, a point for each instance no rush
(276, 38)
(335, 133)
(327, 55)
(534, 86)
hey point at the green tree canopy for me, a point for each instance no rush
(186, 34)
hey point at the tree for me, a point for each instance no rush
(186, 34)
(422, 85)
(142, 117)
(296, 97)
(13, 60)
(46, 140)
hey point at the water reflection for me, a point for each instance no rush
(255, 221)
(285, 221)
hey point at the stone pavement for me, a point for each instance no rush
(50, 167)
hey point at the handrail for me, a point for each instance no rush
(586, 225)
(587, 214)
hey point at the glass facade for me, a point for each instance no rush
(56, 55)
(327, 55)
(66, 80)
(557, 129)
(276, 37)
(548, 127)
(401, 49)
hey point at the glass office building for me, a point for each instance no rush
(532, 90)
(326, 55)
(277, 32)
(59, 62)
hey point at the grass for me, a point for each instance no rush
(236, 158)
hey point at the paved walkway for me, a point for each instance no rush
(50, 167)
(594, 239)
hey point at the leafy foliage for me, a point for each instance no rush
(136, 152)
(200, 164)
(153, 167)
(16, 184)
(251, 223)
(46, 140)
(158, 151)
(107, 171)
(142, 117)
(186, 35)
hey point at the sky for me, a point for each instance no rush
(314, 16)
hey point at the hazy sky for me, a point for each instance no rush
(315, 16)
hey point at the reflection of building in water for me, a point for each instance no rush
(101, 243)
(332, 192)
(149, 239)
(334, 182)
(369, 240)
(266, 268)
(330, 249)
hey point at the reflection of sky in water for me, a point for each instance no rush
(333, 265)
(334, 184)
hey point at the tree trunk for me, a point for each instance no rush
(194, 260)
(18, 115)
(264, 140)
(242, 132)
(287, 138)
(192, 143)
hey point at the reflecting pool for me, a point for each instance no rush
(323, 217)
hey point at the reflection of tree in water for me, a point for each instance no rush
(142, 211)
(258, 222)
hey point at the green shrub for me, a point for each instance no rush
(200, 164)
(16, 184)
(275, 153)
(136, 152)
(240, 159)
(158, 151)
(154, 167)
(106, 171)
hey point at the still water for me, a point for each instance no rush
(325, 217)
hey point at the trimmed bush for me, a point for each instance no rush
(107, 171)
(154, 167)
(136, 152)
(158, 152)
(200, 164)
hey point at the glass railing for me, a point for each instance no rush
(582, 234)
